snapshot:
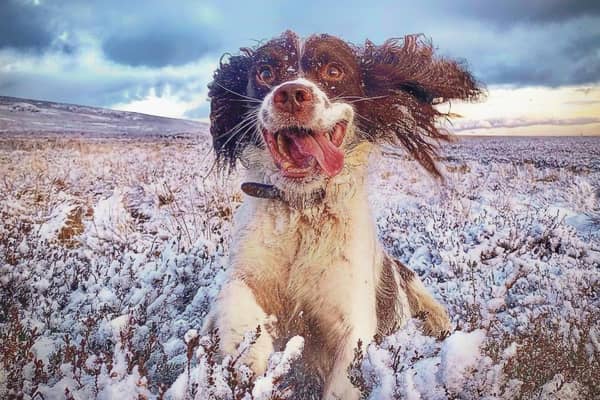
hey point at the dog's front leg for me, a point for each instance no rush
(338, 385)
(237, 313)
(422, 305)
(352, 321)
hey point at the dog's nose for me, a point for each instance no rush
(292, 98)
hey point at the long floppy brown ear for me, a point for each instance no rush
(229, 107)
(405, 81)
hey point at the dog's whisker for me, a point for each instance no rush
(363, 117)
(251, 99)
(247, 116)
(239, 132)
(209, 151)
(241, 140)
(210, 170)
(242, 101)
(256, 133)
(243, 128)
(251, 118)
(355, 99)
(366, 134)
(337, 96)
(251, 114)
(368, 99)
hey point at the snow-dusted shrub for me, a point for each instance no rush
(228, 378)
(102, 309)
(408, 365)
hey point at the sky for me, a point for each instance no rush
(539, 59)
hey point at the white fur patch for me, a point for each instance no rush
(325, 115)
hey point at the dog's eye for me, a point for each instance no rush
(333, 72)
(265, 74)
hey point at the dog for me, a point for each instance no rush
(303, 117)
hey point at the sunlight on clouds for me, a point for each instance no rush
(166, 105)
(531, 110)
(505, 111)
(171, 102)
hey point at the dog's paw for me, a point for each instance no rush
(436, 321)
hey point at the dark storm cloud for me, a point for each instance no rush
(104, 88)
(521, 75)
(546, 55)
(534, 75)
(154, 34)
(94, 92)
(584, 46)
(547, 43)
(159, 47)
(23, 25)
(132, 33)
(531, 11)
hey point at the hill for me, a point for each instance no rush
(46, 118)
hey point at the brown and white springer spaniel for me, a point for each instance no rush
(303, 116)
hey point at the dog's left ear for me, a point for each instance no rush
(229, 107)
(405, 81)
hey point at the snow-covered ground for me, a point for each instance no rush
(111, 252)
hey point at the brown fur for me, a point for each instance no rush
(393, 87)
(305, 259)
(387, 298)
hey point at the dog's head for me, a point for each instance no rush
(297, 108)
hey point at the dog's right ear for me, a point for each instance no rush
(229, 107)
(406, 80)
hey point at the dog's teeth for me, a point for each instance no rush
(280, 142)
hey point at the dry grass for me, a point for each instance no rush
(73, 226)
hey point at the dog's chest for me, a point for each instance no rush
(302, 261)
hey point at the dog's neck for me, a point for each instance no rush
(321, 194)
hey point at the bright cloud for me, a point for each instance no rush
(166, 105)
(531, 110)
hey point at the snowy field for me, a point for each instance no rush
(112, 251)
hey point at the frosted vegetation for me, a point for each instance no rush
(112, 251)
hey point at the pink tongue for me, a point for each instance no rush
(329, 157)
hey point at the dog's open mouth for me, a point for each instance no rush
(298, 151)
